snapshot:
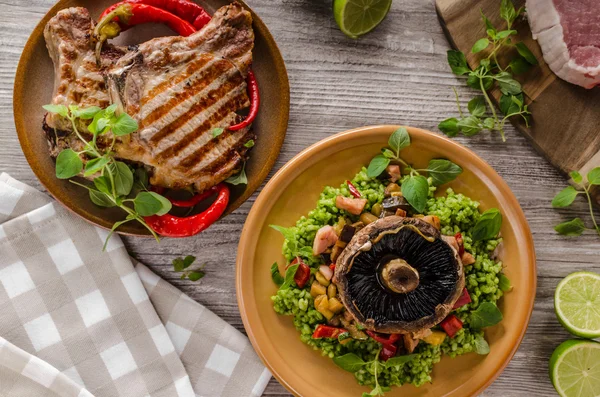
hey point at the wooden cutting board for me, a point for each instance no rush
(565, 124)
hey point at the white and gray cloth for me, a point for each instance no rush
(76, 321)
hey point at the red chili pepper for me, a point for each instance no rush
(461, 243)
(192, 201)
(142, 13)
(254, 102)
(326, 331)
(451, 325)
(464, 299)
(184, 9)
(387, 352)
(353, 190)
(173, 226)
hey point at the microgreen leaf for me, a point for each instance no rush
(177, 264)
(480, 45)
(565, 197)
(507, 11)
(388, 153)
(415, 190)
(469, 125)
(488, 225)
(239, 179)
(68, 164)
(188, 260)
(288, 281)
(61, 110)
(504, 283)
(95, 165)
(109, 111)
(140, 178)
(151, 203)
(399, 140)
(99, 124)
(486, 315)
(124, 125)
(458, 62)
(85, 113)
(275, 275)
(576, 176)
(488, 24)
(377, 165)
(505, 33)
(526, 53)
(481, 345)
(443, 171)
(216, 132)
(507, 84)
(249, 144)
(195, 275)
(477, 106)
(571, 228)
(349, 362)
(101, 199)
(449, 126)
(122, 176)
(508, 105)
(103, 184)
(519, 65)
(399, 360)
(489, 123)
(593, 176)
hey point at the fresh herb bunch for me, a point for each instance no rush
(414, 187)
(490, 74)
(182, 265)
(567, 196)
(352, 363)
(115, 184)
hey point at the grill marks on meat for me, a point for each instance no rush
(178, 88)
(568, 32)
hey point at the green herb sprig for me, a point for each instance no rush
(351, 362)
(115, 184)
(486, 315)
(182, 265)
(414, 187)
(490, 74)
(567, 196)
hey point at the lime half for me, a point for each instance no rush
(357, 17)
(575, 368)
(577, 304)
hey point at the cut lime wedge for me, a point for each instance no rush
(577, 304)
(357, 17)
(575, 368)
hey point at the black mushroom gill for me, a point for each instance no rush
(397, 275)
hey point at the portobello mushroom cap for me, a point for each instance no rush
(397, 275)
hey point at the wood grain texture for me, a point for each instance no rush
(563, 129)
(396, 74)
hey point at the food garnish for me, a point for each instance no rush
(114, 181)
(182, 265)
(491, 74)
(567, 196)
(358, 17)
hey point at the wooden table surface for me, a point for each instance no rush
(396, 74)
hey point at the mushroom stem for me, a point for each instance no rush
(399, 277)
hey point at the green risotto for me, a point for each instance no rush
(483, 280)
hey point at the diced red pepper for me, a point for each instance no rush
(387, 352)
(461, 244)
(326, 331)
(451, 325)
(332, 266)
(394, 338)
(464, 299)
(302, 273)
(384, 340)
(353, 190)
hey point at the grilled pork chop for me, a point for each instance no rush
(178, 89)
(568, 32)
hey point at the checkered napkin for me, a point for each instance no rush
(75, 321)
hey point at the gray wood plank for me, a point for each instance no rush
(396, 74)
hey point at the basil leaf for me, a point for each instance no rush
(415, 190)
(99, 124)
(519, 65)
(377, 165)
(576, 227)
(593, 176)
(109, 111)
(477, 106)
(102, 183)
(488, 24)
(576, 176)
(399, 140)
(249, 144)
(101, 199)
(508, 105)
(95, 165)
(122, 176)
(288, 281)
(388, 153)
(486, 315)
(68, 164)
(216, 132)
(188, 260)
(443, 171)
(505, 33)
(288, 233)
(481, 345)
(399, 360)
(489, 123)
(177, 264)
(239, 179)
(349, 362)
(507, 11)
(507, 84)
(61, 110)
(195, 275)
(480, 45)
(449, 126)
(86, 113)
(488, 225)
(504, 283)
(526, 53)
(458, 62)
(150, 203)
(469, 125)
(275, 275)
(124, 125)
(140, 178)
(565, 197)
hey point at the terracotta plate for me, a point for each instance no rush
(294, 191)
(33, 88)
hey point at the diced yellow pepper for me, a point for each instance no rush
(317, 289)
(321, 279)
(331, 291)
(436, 338)
(321, 303)
(335, 305)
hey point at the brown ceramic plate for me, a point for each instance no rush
(33, 88)
(294, 191)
